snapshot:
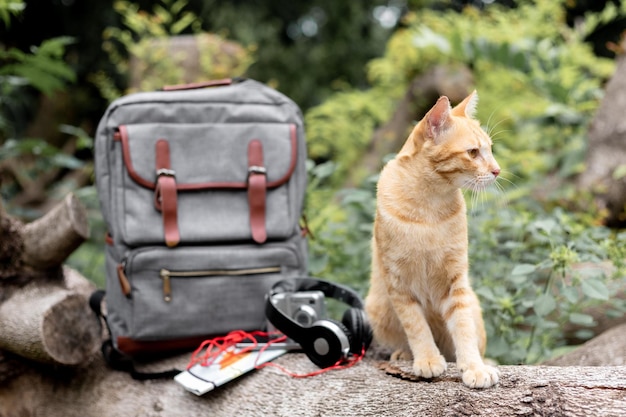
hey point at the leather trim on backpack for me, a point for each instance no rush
(205, 84)
(121, 135)
(165, 198)
(133, 347)
(257, 184)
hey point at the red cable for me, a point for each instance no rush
(337, 366)
(213, 348)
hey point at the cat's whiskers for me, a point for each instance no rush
(479, 187)
(471, 186)
(490, 129)
(503, 177)
(489, 120)
(500, 193)
(494, 136)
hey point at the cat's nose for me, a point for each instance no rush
(495, 172)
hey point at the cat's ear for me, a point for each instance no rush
(467, 107)
(437, 119)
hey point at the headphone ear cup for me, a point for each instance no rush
(328, 341)
(355, 320)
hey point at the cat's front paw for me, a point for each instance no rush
(401, 355)
(480, 376)
(430, 367)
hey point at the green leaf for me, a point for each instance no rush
(544, 305)
(571, 294)
(324, 170)
(523, 269)
(54, 47)
(584, 334)
(595, 288)
(581, 319)
(66, 161)
(10, 7)
(546, 225)
(620, 172)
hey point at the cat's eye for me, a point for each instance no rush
(474, 152)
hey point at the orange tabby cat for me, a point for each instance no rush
(420, 301)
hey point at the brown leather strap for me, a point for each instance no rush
(165, 197)
(193, 86)
(257, 188)
(137, 347)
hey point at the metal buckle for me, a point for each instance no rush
(255, 169)
(166, 172)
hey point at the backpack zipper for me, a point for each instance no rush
(166, 276)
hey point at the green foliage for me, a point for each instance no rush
(143, 42)
(537, 272)
(351, 116)
(10, 8)
(340, 246)
(43, 67)
(306, 49)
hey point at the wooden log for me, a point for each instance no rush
(608, 349)
(50, 323)
(11, 247)
(49, 240)
(370, 388)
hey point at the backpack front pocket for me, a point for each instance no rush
(201, 291)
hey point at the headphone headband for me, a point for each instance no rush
(332, 290)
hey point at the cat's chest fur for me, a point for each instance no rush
(431, 249)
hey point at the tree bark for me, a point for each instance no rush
(371, 388)
(606, 153)
(48, 241)
(44, 310)
(48, 322)
(608, 349)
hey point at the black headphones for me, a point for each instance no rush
(326, 341)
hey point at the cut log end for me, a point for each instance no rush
(49, 324)
(71, 331)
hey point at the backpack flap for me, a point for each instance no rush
(203, 183)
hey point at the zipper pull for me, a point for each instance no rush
(167, 286)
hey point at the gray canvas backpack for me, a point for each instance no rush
(201, 188)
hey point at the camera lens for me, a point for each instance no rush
(305, 316)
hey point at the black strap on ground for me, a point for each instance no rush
(116, 359)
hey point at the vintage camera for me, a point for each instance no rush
(304, 307)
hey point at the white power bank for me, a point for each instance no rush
(229, 365)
